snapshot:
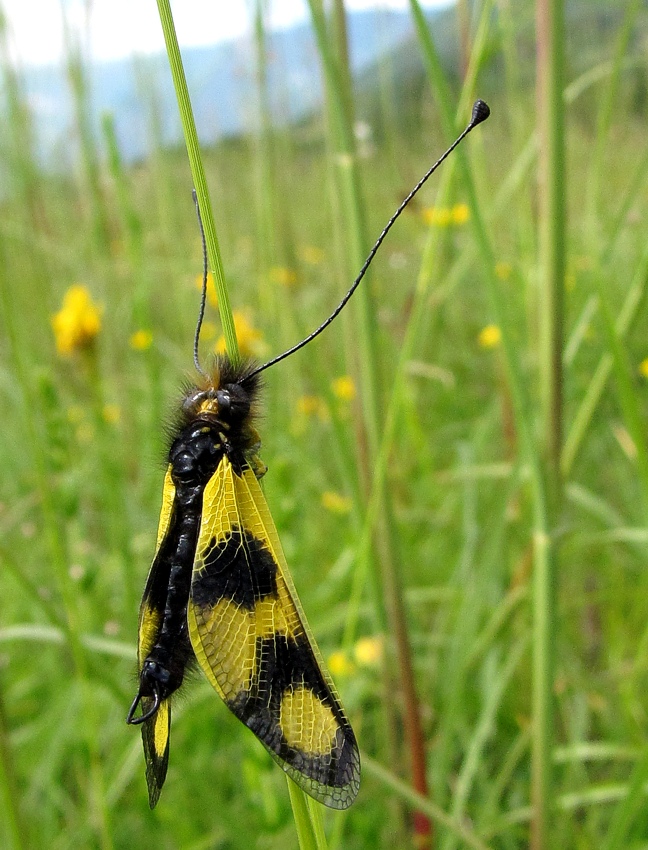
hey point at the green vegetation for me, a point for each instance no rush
(418, 473)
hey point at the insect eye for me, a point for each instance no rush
(224, 402)
(191, 402)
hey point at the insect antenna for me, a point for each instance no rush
(203, 297)
(480, 112)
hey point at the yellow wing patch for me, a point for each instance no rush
(149, 626)
(161, 730)
(251, 639)
(150, 617)
(225, 647)
(306, 723)
(168, 495)
(155, 737)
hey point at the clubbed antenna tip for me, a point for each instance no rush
(480, 112)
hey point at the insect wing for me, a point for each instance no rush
(155, 593)
(252, 640)
(155, 730)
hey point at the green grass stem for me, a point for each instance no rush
(337, 73)
(316, 814)
(552, 227)
(198, 175)
(308, 839)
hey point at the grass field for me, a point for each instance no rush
(418, 474)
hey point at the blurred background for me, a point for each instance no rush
(458, 467)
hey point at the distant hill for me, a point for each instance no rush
(139, 92)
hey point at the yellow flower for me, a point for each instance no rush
(308, 404)
(311, 255)
(643, 368)
(438, 216)
(344, 388)
(78, 321)
(335, 502)
(445, 216)
(212, 298)
(141, 340)
(250, 340)
(503, 270)
(283, 276)
(368, 651)
(490, 336)
(460, 213)
(111, 413)
(339, 665)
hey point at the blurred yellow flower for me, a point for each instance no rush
(141, 340)
(111, 413)
(311, 255)
(283, 276)
(445, 216)
(503, 270)
(344, 388)
(490, 336)
(78, 321)
(339, 665)
(460, 213)
(643, 368)
(212, 298)
(308, 404)
(437, 216)
(250, 340)
(368, 651)
(336, 503)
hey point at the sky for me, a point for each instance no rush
(120, 28)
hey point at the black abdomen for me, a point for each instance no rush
(194, 456)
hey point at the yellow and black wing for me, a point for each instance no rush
(155, 730)
(252, 641)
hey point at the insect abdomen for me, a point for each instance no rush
(193, 457)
